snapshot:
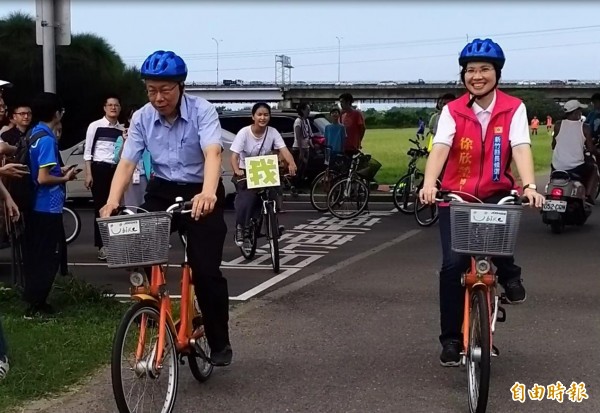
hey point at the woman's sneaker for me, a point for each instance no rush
(4, 367)
(450, 356)
(239, 236)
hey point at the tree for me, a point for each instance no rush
(538, 105)
(86, 71)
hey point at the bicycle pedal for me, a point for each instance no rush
(501, 317)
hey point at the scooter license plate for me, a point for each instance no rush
(555, 206)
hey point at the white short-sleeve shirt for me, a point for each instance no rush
(246, 144)
(519, 126)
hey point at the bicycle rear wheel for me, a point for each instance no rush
(425, 215)
(199, 362)
(479, 352)
(348, 199)
(142, 321)
(272, 230)
(405, 192)
(320, 188)
(72, 224)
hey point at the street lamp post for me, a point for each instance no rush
(339, 39)
(217, 43)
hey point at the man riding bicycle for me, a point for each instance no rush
(477, 137)
(183, 135)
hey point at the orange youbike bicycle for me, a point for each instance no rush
(149, 343)
(482, 231)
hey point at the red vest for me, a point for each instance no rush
(475, 166)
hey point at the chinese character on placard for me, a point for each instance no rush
(537, 392)
(556, 392)
(577, 392)
(466, 144)
(518, 392)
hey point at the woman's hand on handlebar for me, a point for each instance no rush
(428, 193)
(292, 169)
(108, 210)
(534, 197)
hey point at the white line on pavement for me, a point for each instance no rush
(303, 282)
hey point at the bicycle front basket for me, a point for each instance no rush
(136, 240)
(484, 229)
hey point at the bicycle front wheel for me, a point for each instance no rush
(138, 384)
(348, 199)
(272, 231)
(71, 224)
(479, 352)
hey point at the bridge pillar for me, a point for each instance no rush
(285, 104)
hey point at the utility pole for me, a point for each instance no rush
(53, 27)
(49, 46)
(339, 39)
(217, 43)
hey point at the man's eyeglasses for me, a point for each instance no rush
(163, 91)
(113, 105)
(23, 113)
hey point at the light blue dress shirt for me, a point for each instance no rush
(176, 150)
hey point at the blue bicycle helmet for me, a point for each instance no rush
(164, 65)
(482, 51)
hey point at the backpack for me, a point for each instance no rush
(23, 189)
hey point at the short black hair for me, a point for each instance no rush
(347, 97)
(45, 105)
(335, 110)
(301, 106)
(595, 96)
(111, 96)
(13, 108)
(259, 105)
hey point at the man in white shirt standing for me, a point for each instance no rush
(100, 166)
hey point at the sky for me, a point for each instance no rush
(399, 41)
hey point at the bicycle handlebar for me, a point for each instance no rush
(512, 199)
(179, 207)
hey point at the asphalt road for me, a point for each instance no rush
(351, 323)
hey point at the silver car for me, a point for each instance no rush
(77, 189)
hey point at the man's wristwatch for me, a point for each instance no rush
(530, 186)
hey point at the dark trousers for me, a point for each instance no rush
(42, 239)
(452, 293)
(301, 157)
(247, 204)
(206, 238)
(102, 173)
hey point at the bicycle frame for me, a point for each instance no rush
(157, 293)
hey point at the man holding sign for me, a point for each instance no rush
(247, 159)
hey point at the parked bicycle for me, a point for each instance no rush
(72, 224)
(482, 231)
(350, 191)
(158, 343)
(272, 229)
(335, 166)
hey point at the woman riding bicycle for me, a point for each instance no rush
(478, 136)
(254, 140)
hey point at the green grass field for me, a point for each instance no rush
(389, 146)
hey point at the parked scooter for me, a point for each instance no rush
(565, 201)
